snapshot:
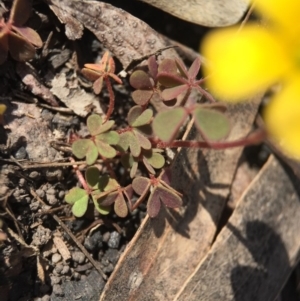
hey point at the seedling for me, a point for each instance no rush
(145, 84)
(16, 39)
(134, 137)
(100, 142)
(102, 72)
(160, 192)
(177, 79)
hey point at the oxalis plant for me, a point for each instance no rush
(140, 146)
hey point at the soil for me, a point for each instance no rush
(41, 259)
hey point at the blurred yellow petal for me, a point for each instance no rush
(283, 13)
(2, 109)
(243, 63)
(282, 117)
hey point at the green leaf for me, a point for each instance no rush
(106, 183)
(139, 79)
(111, 137)
(94, 123)
(138, 117)
(75, 194)
(143, 141)
(124, 141)
(155, 159)
(80, 207)
(143, 119)
(213, 124)
(85, 148)
(105, 150)
(166, 124)
(134, 145)
(92, 176)
(106, 126)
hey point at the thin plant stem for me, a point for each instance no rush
(111, 105)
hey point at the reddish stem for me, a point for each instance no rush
(254, 138)
(111, 98)
(80, 177)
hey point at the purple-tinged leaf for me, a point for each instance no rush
(75, 194)
(128, 192)
(166, 176)
(120, 206)
(181, 67)
(171, 93)
(142, 97)
(98, 85)
(101, 209)
(135, 147)
(92, 175)
(143, 118)
(166, 124)
(30, 35)
(154, 204)
(143, 141)
(108, 199)
(115, 77)
(169, 198)
(20, 12)
(153, 66)
(106, 126)
(3, 47)
(94, 123)
(139, 79)
(194, 69)
(212, 124)
(170, 80)
(20, 49)
(140, 185)
(168, 66)
(105, 150)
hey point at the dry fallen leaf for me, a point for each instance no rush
(213, 13)
(126, 36)
(166, 250)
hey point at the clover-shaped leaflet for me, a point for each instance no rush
(212, 124)
(145, 83)
(161, 192)
(14, 37)
(134, 137)
(110, 192)
(152, 159)
(100, 142)
(79, 198)
(182, 82)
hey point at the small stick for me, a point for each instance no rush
(80, 246)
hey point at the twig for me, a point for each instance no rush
(80, 246)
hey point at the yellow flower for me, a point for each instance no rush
(247, 61)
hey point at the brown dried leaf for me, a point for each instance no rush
(165, 251)
(122, 34)
(211, 13)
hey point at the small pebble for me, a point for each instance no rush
(34, 175)
(22, 182)
(51, 191)
(93, 242)
(52, 200)
(34, 206)
(114, 240)
(76, 276)
(59, 267)
(108, 269)
(55, 279)
(56, 258)
(21, 153)
(78, 257)
(57, 290)
(65, 270)
(106, 237)
(40, 193)
(61, 194)
(112, 255)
